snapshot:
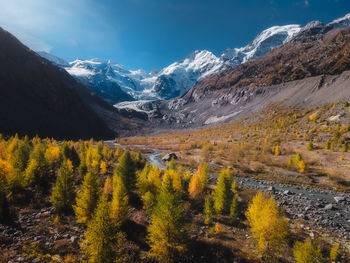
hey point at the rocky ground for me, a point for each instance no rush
(35, 230)
(324, 209)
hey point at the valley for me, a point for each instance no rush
(238, 157)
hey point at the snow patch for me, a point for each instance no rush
(215, 119)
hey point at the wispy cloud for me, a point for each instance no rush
(306, 3)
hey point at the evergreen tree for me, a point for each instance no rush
(62, 196)
(120, 201)
(126, 171)
(208, 209)
(102, 241)
(223, 194)
(165, 234)
(87, 198)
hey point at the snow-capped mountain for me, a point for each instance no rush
(262, 44)
(340, 22)
(106, 75)
(179, 77)
(116, 83)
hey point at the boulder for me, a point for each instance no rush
(339, 199)
(168, 157)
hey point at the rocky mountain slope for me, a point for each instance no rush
(39, 98)
(310, 70)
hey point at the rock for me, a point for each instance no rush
(168, 157)
(73, 239)
(271, 188)
(339, 199)
(312, 235)
(20, 259)
(328, 207)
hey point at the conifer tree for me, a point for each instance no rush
(195, 189)
(53, 154)
(307, 253)
(208, 209)
(268, 225)
(148, 200)
(277, 150)
(38, 167)
(62, 196)
(234, 208)
(87, 198)
(142, 182)
(165, 234)
(120, 201)
(108, 187)
(126, 171)
(102, 238)
(103, 167)
(20, 156)
(223, 193)
(204, 175)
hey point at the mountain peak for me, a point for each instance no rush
(340, 22)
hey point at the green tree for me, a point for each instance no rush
(208, 209)
(306, 252)
(120, 201)
(87, 198)
(62, 196)
(103, 241)
(166, 235)
(126, 171)
(223, 193)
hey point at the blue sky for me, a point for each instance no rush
(151, 34)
